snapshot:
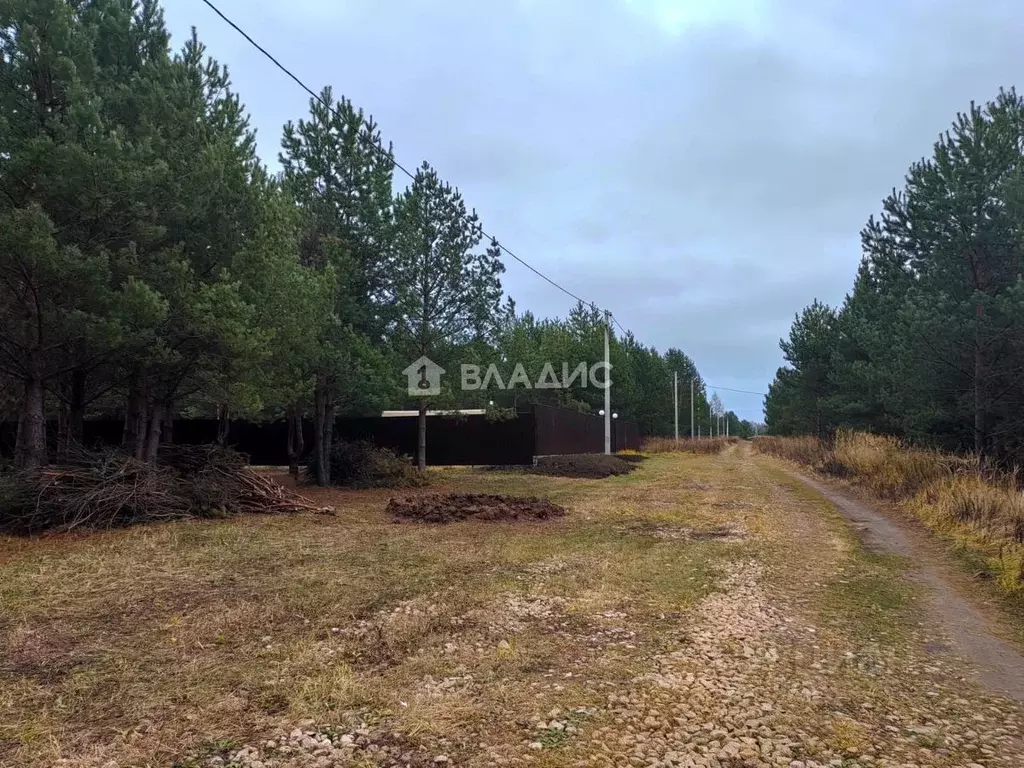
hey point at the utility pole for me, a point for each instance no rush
(607, 387)
(711, 421)
(691, 408)
(675, 399)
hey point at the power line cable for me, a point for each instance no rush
(740, 391)
(369, 140)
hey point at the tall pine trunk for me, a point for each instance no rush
(152, 441)
(223, 424)
(76, 409)
(979, 407)
(167, 436)
(323, 429)
(295, 441)
(133, 438)
(979, 392)
(421, 443)
(30, 448)
(72, 412)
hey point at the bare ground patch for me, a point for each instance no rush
(724, 532)
(447, 508)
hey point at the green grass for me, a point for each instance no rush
(870, 599)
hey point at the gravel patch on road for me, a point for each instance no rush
(750, 685)
(328, 747)
(754, 687)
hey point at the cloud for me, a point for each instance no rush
(701, 168)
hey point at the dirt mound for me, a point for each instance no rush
(632, 458)
(451, 507)
(585, 465)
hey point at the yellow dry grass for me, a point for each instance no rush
(706, 445)
(982, 513)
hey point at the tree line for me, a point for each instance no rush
(152, 267)
(929, 344)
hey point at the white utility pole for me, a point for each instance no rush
(607, 387)
(711, 421)
(691, 409)
(675, 399)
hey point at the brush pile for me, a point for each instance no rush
(108, 489)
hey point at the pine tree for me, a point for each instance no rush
(443, 290)
(341, 179)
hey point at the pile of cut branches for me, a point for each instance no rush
(108, 489)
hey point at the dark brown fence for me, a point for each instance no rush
(561, 431)
(468, 440)
(465, 440)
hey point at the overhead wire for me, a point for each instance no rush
(363, 136)
(740, 391)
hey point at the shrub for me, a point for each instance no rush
(361, 464)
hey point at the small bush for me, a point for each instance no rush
(361, 464)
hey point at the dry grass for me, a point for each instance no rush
(701, 445)
(982, 513)
(173, 642)
(139, 646)
(809, 451)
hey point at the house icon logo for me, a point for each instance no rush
(424, 377)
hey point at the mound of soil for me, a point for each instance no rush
(632, 458)
(585, 465)
(451, 507)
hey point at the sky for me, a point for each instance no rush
(700, 168)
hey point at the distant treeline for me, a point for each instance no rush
(929, 344)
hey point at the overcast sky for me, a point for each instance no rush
(701, 168)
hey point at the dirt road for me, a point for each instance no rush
(704, 611)
(970, 631)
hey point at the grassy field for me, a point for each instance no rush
(176, 644)
(130, 644)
